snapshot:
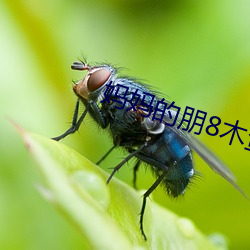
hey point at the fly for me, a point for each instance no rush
(166, 149)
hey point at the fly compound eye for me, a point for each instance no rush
(97, 79)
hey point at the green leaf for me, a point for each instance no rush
(107, 215)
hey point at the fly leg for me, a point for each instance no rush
(145, 196)
(99, 116)
(105, 155)
(135, 169)
(75, 123)
(125, 160)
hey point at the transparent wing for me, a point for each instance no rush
(207, 155)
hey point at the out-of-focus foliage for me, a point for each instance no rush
(196, 53)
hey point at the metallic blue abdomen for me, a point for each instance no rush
(168, 153)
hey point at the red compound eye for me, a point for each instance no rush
(97, 79)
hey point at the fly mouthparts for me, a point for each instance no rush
(79, 66)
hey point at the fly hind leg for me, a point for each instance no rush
(145, 196)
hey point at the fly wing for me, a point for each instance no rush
(207, 155)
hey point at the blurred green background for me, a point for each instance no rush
(195, 52)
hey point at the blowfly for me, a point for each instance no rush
(130, 112)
